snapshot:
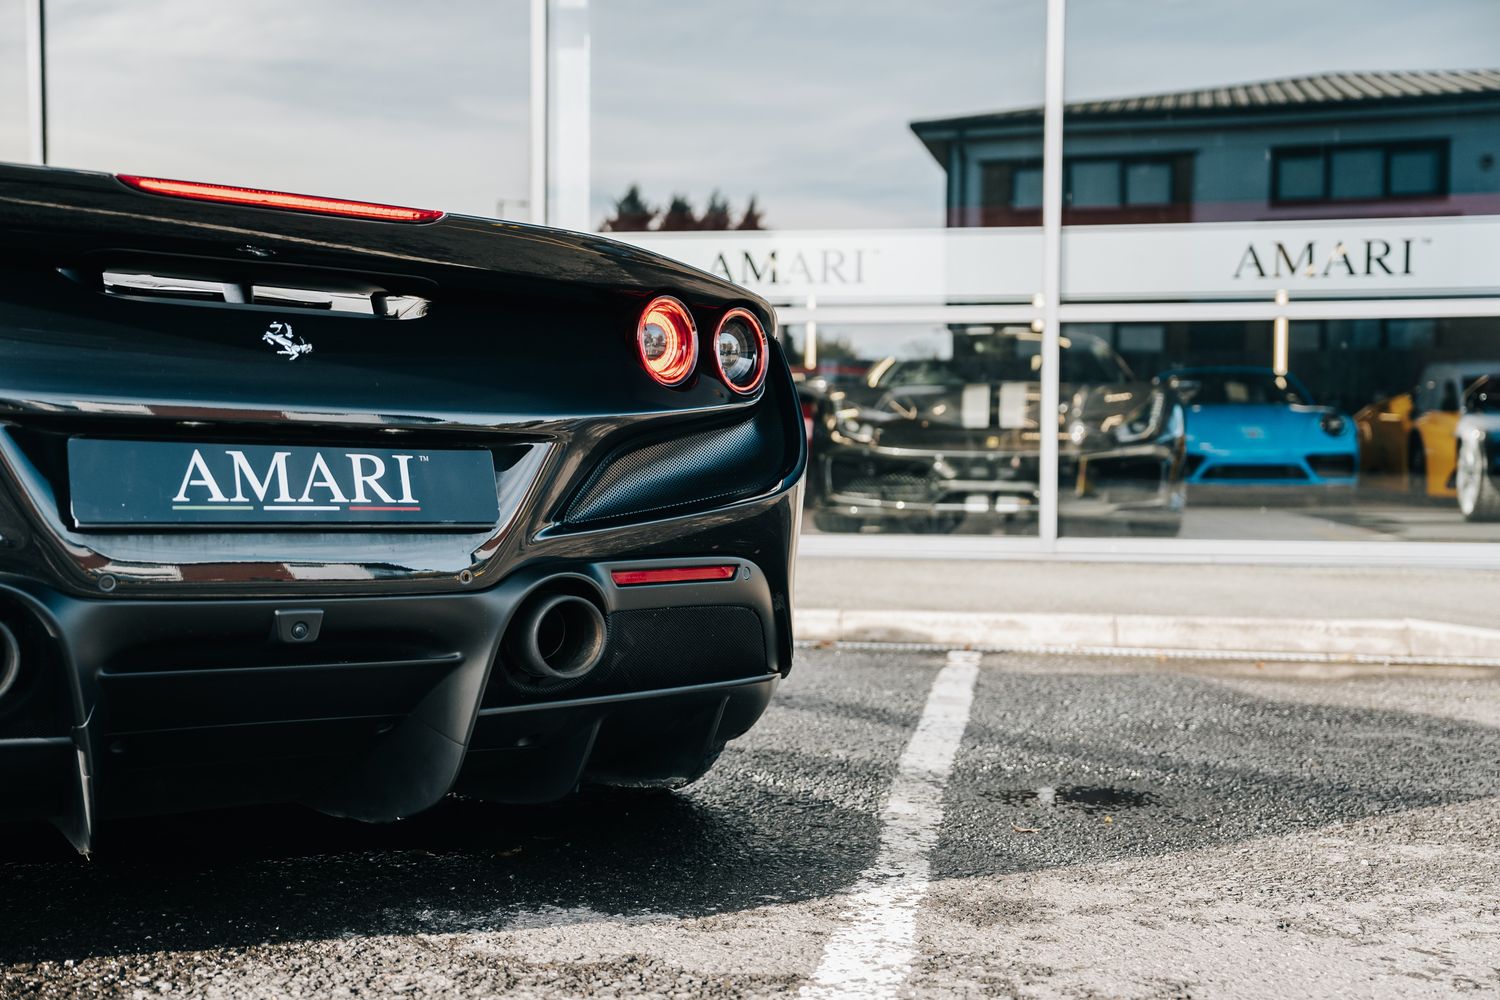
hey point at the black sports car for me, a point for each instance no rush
(357, 505)
(924, 445)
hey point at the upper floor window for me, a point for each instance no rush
(1026, 186)
(1095, 189)
(1359, 173)
(1117, 182)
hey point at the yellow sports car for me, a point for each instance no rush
(1413, 438)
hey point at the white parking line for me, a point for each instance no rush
(870, 952)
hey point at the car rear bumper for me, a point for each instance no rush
(1330, 468)
(882, 484)
(143, 706)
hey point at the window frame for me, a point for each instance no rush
(1324, 152)
(1015, 167)
(1121, 163)
(998, 175)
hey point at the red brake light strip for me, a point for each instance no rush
(672, 574)
(256, 198)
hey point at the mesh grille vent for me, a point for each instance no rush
(705, 468)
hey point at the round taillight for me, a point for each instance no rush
(740, 350)
(668, 340)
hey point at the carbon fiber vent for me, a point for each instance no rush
(656, 648)
(700, 469)
(671, 647)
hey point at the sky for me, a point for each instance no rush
(418, 103)
(803, 103)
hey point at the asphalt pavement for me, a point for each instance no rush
(901, 824)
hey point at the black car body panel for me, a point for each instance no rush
(925, 445)
(151, 673)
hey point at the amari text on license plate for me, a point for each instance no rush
(120, 483)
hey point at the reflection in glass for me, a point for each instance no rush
(1477, 478)
(1311, 179)
(1148, 182)
(1356, 173)
(1027, 187)
(950, 438)
(1094, 183)
(803, 110)
(1240, 386)
(1416, 171)
(1359, 440)
(1141, 338)
(1250, 426)
(1410, 334)
(1305, 336)
(1299, 177)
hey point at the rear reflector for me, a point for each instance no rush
(672, 574)
(280, 199)
(740, 351)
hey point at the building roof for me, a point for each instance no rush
(1320, 89)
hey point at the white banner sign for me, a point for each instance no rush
(1190, 261)
(865, 266)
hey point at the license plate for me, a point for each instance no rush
(158, 482)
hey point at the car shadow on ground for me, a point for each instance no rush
(248, 876)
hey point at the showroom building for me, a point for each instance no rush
(1376, 145)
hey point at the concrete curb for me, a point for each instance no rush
(1409, 640)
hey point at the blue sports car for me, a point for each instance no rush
(1249, 426)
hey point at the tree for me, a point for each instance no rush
(716, 215)
(632, 214)
(679, 216)
(832, 347)
(751, 219)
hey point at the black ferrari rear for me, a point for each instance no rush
(360, 512)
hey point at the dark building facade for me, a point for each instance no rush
(1332, 145)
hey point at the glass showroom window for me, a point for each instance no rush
(1302, 354)
(939, 432)
(1260, 230)
(817, 157)
(1350, 436)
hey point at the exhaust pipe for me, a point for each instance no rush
(10, 660)
(556, 637)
